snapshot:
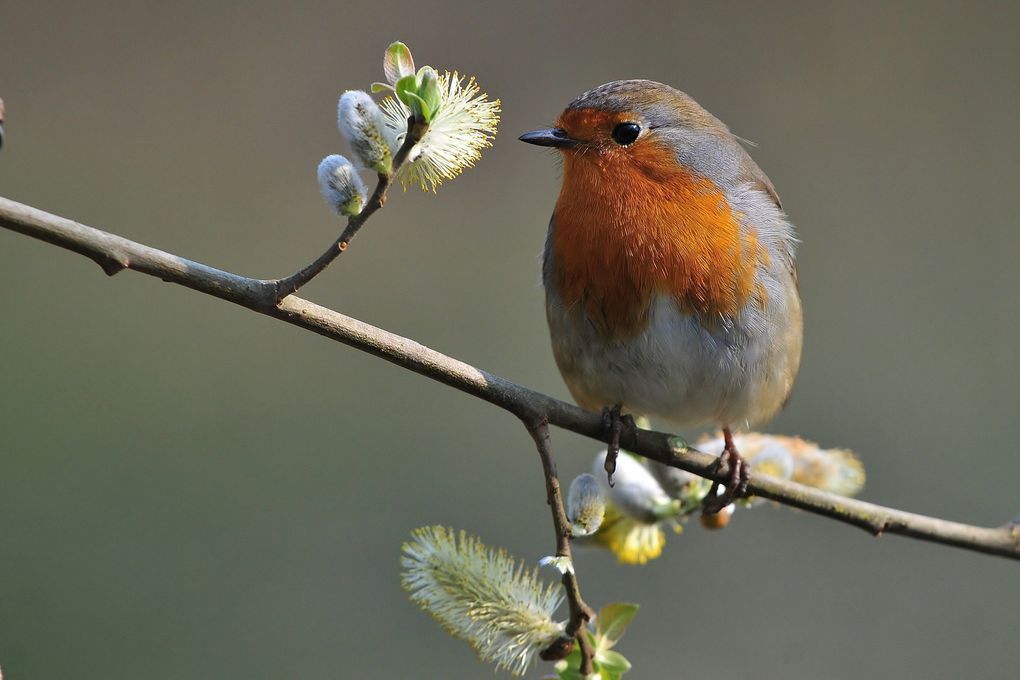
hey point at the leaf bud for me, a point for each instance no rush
(361, 124)
(341, 185)
(586, 505)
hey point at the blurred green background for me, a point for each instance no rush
(188, 489)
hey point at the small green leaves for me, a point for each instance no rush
(421, 93)
(397, 65)
(407, 91)
(397, 62)
(608, 664)
(569, 668)
(430, 92)
(612, 621)
(453, 119)
(611, 664)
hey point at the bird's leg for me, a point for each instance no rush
(736, 485)
(614, 422)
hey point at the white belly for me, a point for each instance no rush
(735, 374)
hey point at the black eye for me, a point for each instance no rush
(626, 133)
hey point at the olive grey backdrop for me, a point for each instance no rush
(188, 489)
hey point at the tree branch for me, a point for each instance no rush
(580, 613)
(114, 253)
(290, 284)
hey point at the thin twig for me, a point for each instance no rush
(580, 613)
(290, 284)
(114, 253)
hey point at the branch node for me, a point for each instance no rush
(559, 649)
(111, 266)
(879, 526)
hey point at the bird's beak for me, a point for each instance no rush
(551, 137)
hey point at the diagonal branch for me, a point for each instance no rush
(114, 253)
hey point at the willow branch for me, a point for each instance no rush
(290, 284)
(580, 613)
(114, 254)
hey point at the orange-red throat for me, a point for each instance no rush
(631, 221)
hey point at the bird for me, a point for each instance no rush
(669, 269)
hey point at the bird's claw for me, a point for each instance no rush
(614, 423)
(736, 483)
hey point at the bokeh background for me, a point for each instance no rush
(188, 489)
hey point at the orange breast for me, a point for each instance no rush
(631, 222)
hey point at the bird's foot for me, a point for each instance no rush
(614, 423)
(736, 484)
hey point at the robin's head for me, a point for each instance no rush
(641, 126)
(645, 206)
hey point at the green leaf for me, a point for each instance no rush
(429, 89)
(612, 621)
(612, 661)
(397, 63)
(381, 87)
(568, 668)
(572, 660)
(422, 106)
(404, 87)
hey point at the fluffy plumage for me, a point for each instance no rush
(669, 265)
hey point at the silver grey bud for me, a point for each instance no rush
(586, 505)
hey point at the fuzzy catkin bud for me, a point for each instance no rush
(481, 595)
(361, 123)
(341, 186)
(835, 470)
(673, 480)
(635, 491)
(586, 505)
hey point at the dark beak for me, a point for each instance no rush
(552, 137)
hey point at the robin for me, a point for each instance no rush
(669, 269)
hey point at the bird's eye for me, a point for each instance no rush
(626, 133)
